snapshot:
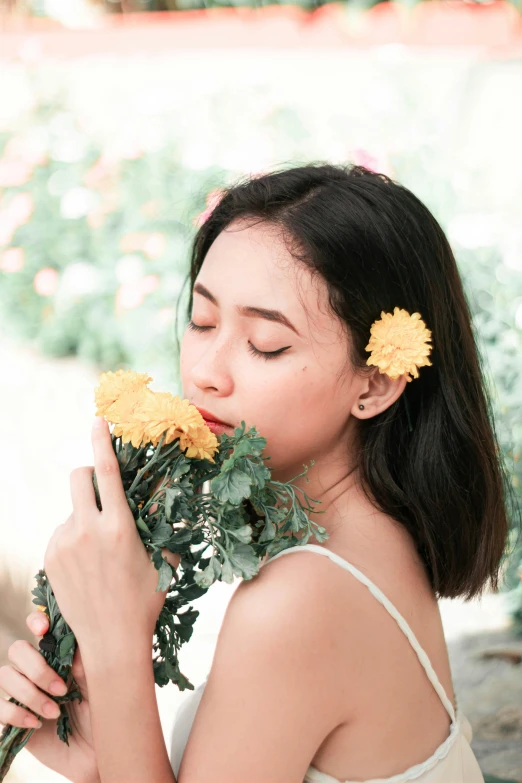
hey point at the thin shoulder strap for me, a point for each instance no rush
(379, 595)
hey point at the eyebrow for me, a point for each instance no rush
(248, 310)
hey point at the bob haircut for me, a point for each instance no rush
(431, 460)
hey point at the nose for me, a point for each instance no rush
(211, 373)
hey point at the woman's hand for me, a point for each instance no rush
(29, 681)
(100, 572)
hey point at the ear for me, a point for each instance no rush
(380, 392)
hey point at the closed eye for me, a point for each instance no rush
(253, 350)
(197, 328)
(266, 354)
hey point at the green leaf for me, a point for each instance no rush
(205, 578)
(268, 533)
(191, 592)
(245, 561)
(246, 447)
(170, 669)
(243, 534)
(232, 486)
(165, 576)
(160, 675)
(182, 466)
(161, 533)
(66, 646)
(188, 617)
(171, 495)
(227, 575)
(143, 526)
(179, 539)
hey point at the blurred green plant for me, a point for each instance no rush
(95, 238)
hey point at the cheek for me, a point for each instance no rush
(186, 361)
(298, 418)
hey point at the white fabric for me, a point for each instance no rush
(452, 762)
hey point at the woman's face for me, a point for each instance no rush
(268, 351)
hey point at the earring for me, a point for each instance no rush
(361, 407)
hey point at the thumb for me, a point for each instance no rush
(38, 623)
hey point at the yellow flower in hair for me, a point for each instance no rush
(399, 344)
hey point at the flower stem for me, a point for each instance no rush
(10, 744)
(146, 467)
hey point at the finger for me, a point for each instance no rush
(15, 684)
(38, 623)
(32, 664)
(14, 715)
(82, 491)
(112, 493)
(171, 557)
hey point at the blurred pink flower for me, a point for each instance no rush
(6, 230)
(132, 293)
(95, 218)
(26, 149)
(12, 259)
(129, 296)
(151, 209)
(102, 172)
(15, 214)
(154, 245)
(20, 209)
(165, 316)
(212, 200)
(129, 243)
(375, 162)
(150, 283)
(14, 173)
(46, 281)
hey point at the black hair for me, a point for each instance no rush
(431, 460)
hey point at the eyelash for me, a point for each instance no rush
(253, 350)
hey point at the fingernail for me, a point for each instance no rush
(33, 723)
(98, 421)
(39, 626)
(58, 688)
(51, 709)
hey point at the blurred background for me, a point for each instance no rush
(119, 123)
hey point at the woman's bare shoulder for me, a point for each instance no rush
(270, 696)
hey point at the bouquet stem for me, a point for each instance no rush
(12, 740)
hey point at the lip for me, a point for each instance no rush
(210, 417)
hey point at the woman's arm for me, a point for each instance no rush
(271, 697)
(127, 734)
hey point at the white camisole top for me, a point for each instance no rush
(452, 762)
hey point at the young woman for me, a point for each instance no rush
(327, 668)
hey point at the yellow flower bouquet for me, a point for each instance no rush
(212, 501)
